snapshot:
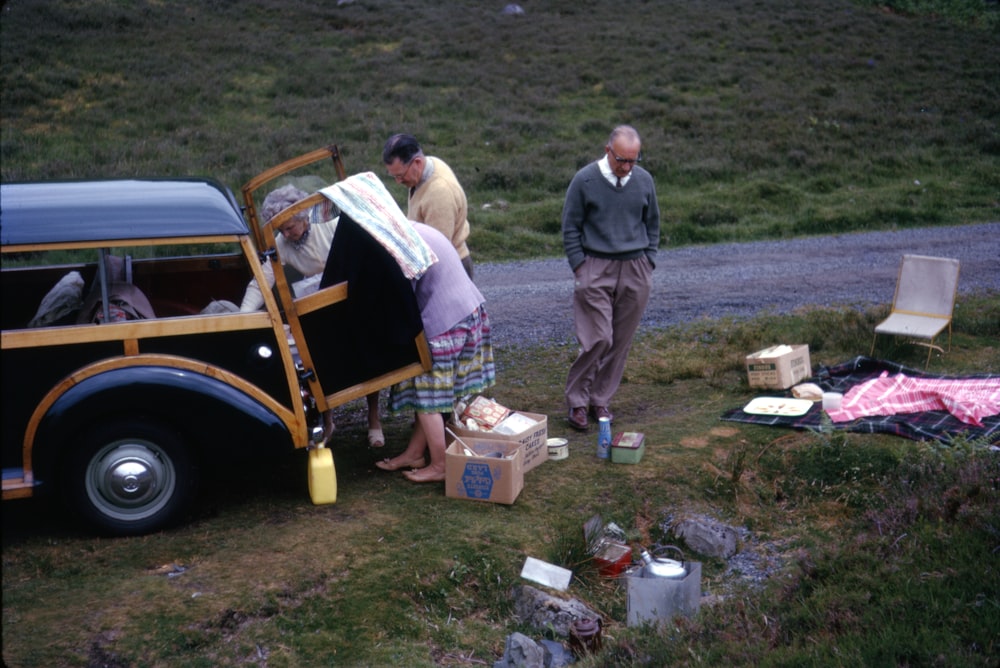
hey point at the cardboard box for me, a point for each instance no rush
(627, 447)
(533, 439)
(779, 367)
(494, 473)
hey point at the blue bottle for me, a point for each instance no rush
(604, 438)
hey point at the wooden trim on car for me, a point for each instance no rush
(425, 351)
(18, 488)
(132, 330)
(273, 313)
(323, 298)
(330, 151)
(290, 212)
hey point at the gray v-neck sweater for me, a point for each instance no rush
(603, 221)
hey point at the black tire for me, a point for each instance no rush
(130, 477)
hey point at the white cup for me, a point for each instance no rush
(831, 401)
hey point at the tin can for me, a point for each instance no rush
(558, 448)
(604, 438)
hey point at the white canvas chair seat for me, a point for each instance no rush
(924, 301)
(914, 325)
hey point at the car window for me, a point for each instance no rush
(61, 287)
(45, 288)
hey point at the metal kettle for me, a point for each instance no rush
(659, 567)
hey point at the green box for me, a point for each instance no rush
(627, 447)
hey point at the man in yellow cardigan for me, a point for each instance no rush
(435, 196)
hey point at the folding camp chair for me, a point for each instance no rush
(924, 301)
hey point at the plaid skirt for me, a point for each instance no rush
(461, 364)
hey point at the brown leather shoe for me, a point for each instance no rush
(578, 418)
(597, 412)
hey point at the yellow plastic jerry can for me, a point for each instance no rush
(322, 476)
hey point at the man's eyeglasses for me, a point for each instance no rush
(624, 161)
(406, 169)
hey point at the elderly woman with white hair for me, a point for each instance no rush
(301, 244)
(305, 246)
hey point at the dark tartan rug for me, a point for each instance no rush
(926, 426)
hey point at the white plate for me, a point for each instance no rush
(783, 406)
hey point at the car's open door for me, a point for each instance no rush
(361, 331)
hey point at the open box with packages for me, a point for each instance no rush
(485, 418)
(779, 367)
(482, 469)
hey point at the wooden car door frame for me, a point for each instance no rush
(297, 307)
(331, 152)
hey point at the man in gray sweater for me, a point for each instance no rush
(611, 230)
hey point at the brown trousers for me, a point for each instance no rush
(609, 299)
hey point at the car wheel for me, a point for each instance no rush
(130, 477)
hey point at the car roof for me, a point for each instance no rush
(83, 211)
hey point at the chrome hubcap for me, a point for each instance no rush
(130, 479)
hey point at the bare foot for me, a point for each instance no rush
(396, 463)
(426, 474)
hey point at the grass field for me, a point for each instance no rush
(883, 550)
(774, 119)
(768, 119)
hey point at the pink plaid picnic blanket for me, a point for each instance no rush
(968, 399)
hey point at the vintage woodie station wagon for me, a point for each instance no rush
(127, 367)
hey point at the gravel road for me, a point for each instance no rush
(529, 302)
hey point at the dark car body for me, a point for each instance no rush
(118, 417)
